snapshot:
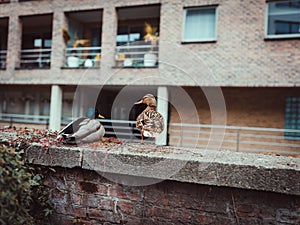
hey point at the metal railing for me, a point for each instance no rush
(86, 56)
(235, 138)
(35, 58)
(3, 59)
(122, 129)
(11, 119)
(136, 56)
(198, 136)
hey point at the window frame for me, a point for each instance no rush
(292, 107)
(198, 40)
(276, 36)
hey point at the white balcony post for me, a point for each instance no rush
(162, 107)
(55, 107)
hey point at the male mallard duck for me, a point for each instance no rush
(150, 122)
(84, 129)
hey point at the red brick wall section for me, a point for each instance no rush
(85, 197)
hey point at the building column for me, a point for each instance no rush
(13, 43)
(36, 110)
(55, 107)
(58, 43)
(163, 108)
(27, 107)
(108, 44)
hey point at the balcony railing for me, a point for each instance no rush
(197, 136)
(234, 138)
(83, 57)
(137, 56)
(3, 59)
(35, 58)
(11, 119)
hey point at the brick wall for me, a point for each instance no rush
(241, 56)
(253, 107)
(88, 198)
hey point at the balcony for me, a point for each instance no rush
(137, 37)
(136, 55)
(36, 41)
(83, 39)
(83, 57)
(35, 58)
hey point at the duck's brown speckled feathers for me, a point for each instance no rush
(150, 122)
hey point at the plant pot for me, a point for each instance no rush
(73, 61)
(150, 59)
(127, 63)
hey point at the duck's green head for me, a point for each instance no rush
(93, 113)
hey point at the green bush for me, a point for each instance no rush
(23, 198)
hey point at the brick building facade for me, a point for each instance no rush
(249, 67)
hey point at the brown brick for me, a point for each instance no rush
(107, 204)
(126, 206)
(58, 195)
(125, 192)
(102, 189)
(90, 201)
(94, 213)
(77, 211)
(60, 208)
(203, 219)
(102, 215)
(247, 211)
(76, 198)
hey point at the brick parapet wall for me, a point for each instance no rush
(88, 198)
(220, 168)
(87, 186)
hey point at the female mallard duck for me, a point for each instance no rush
(150, 122)
(84, 129)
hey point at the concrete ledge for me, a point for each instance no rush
(220, 168)
(60, 156)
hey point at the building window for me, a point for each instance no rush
(200, 24)
(36, 41)
(3, 42)
(138, 36)
(83, 38)
(283, 19)
(292, 117)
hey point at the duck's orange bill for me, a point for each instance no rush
(100, 116)
(139, 102)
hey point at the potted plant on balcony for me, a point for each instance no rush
(75, 59)
(150, 58)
